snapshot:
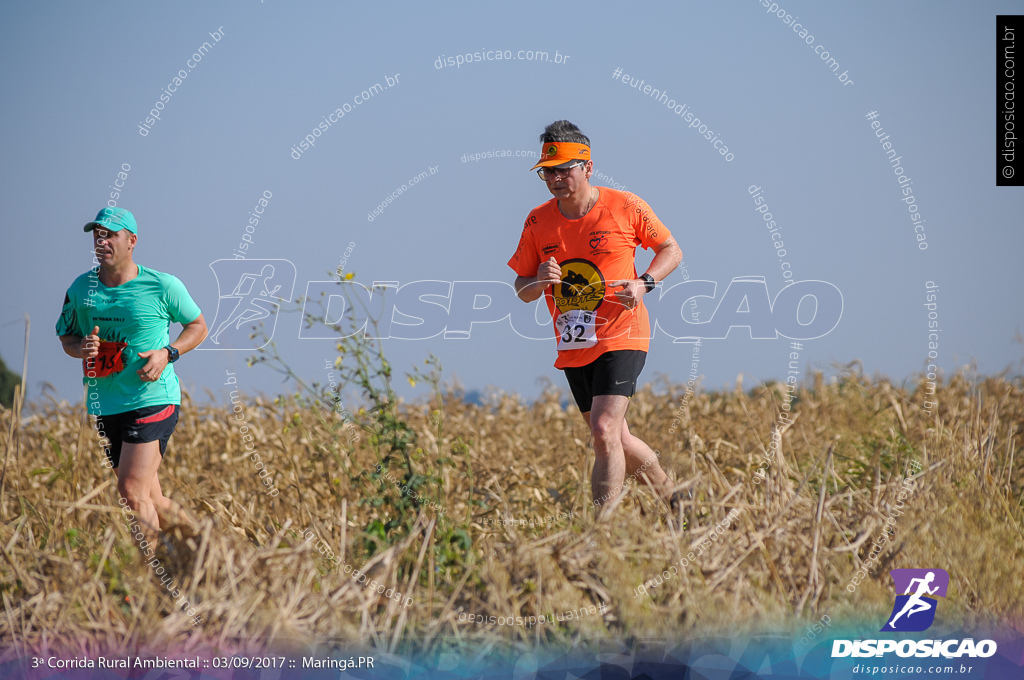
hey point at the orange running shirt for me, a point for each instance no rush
(591, 251)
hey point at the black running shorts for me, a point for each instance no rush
(613, 372)
(146, 424)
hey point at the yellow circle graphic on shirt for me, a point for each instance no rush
(582, 286)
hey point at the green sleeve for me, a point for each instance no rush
(180, 305)
(68, 324)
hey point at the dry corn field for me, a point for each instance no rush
(501, 524)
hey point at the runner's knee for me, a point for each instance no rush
(134, 491)
(605, 430)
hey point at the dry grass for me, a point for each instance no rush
(71, 579)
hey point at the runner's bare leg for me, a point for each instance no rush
(607, 415)
(642, 461)
(135, 474)
(169, 512)
(637, 455)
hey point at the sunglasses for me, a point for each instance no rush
(550, 173)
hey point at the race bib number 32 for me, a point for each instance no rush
(576, 329)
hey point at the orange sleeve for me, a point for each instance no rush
(646, 225)
(525, 261)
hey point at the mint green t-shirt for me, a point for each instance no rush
(138, 313)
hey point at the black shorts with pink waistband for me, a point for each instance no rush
(613, 372)
(146, 424)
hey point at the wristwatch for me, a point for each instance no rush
(648, 282)
(172, 354)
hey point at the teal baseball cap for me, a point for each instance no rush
(114, 219)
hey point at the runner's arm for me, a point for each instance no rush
(667, 257)
(157, 359)
(81, 348)
(191, 335)
(72, 345)
(527, 288)
(523, 260)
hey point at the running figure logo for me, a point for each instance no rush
(914, 610)
(258, 287)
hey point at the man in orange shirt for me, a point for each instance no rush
(578, 249)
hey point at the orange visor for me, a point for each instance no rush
(557, 153)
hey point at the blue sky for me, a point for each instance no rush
(79, 80)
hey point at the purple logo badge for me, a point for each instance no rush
(916, 590)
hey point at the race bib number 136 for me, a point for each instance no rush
(109, 360)
(576, 329)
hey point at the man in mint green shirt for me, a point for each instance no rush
(116, 318)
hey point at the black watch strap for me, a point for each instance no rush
(649, 282)
(172, 354)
